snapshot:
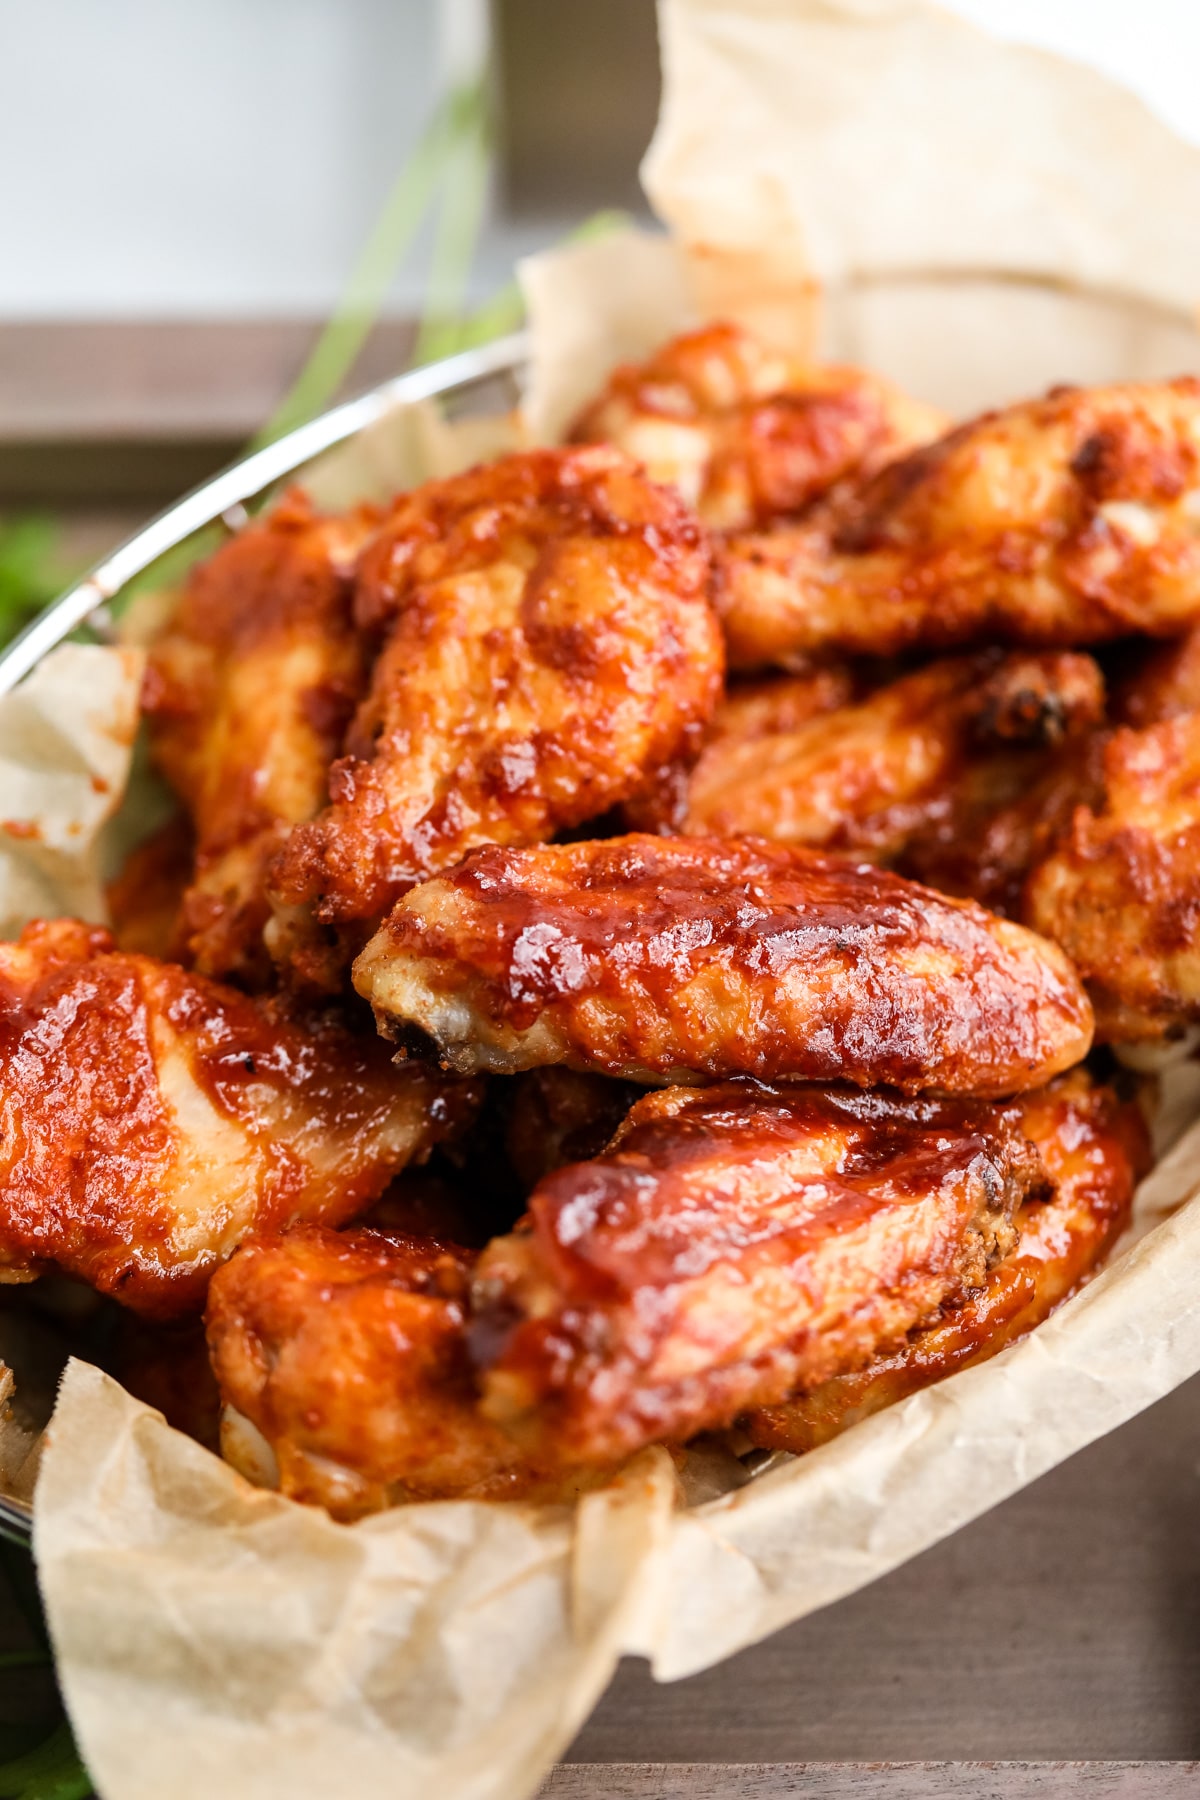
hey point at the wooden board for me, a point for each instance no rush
(1065, 1625)
(874, 1781)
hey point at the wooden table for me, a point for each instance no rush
(1050, 1649)
(1061, 1629)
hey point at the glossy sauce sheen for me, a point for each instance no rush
(149, 1118)
(747, 435)
(1067, 520)
(648, 957)
(248, 695)
(734, 1241)
(347, 1352)
(1094, 1151)
(548, 649)
(882, 776)
(1120, 890)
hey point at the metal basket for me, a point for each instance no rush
(224, 499)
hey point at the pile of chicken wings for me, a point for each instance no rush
(649, 936)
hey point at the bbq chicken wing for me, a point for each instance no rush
(868, 777)
(549, 650)
(735, 1241)
(1121, 890)
(660, 959)
(1063, 521)
(248, 695)
(150, 1119)
(346, 1354)
(753, 711)
(746, 435)
(1002, 815)
(1093, 1150)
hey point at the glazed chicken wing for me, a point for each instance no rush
(868, 777)
(248, 695)
(1063, 521)
(663, 959)
(150, 1119)
(747, 435)
(1121, 890)
(1000, 817)
(733, 1242)
(346, 1353)
(1093, 1150)
(549, 649)
(751, 712)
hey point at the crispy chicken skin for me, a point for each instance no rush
(1093, 1150)
(346, 1352)
(549, 649)
(867, 777)
(248, 695)
(779, 704)
(750, 712)
(1121, 890)
(735, 1241)
(1063, 521)
(1002, 815)
(661, 959)
(747, 435)
(149, 1119)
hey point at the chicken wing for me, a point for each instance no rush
(1003, 814)
(735, 1241)
(248, 696)
(868, 777)
(661, 959)
(346, 1353)
(747, 435)
(1062, 521)
(1121, 890)
(1163, 684)
(550, 648)
(149, 1119)
(750, 711)
(1093, 1150)
(558, 1115)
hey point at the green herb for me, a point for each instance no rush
(461, 216)
(50, 1771)
(30, 571)
(459, 121)
(40, 1762)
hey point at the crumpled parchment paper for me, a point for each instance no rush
(211, 1635)
(66, 747)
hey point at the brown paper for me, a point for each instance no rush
(66, 745)
(211, 1635)
(216, 1638)
(882, 138)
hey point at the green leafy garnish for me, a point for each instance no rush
(50, 1771)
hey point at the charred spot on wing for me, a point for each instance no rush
(1039, 700)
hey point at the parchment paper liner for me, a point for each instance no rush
(208, 1633)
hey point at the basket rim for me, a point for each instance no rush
(222, 498)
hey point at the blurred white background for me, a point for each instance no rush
(226, 158)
